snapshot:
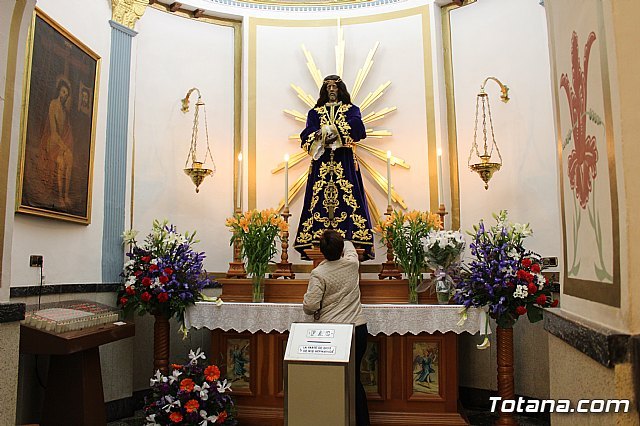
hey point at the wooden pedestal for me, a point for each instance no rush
(74, 394)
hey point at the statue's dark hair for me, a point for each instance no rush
(343, 94)
(331, 244)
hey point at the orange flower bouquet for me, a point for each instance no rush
(257, 232)
(194, 394)
(406, 232)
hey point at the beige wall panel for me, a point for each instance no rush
(166, 66)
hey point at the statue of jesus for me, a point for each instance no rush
(334, 197)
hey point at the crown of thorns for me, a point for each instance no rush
(338, 80)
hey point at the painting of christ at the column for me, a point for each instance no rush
(56, 155)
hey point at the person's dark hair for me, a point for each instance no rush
(343, 94)
(331, 244)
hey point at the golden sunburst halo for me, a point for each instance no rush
(368, 118)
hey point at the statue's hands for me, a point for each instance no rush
(330, 139)
(330, 134)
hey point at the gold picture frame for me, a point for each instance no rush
(58, 124)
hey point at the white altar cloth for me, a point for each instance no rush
(381, 318)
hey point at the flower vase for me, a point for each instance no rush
(414, 282)
(161, 328)
(258, 288)
(442, 283)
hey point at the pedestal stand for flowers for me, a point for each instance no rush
(161, 328)
(506, 388)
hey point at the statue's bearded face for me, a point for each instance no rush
(332, 90)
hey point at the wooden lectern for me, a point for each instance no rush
(74, 394)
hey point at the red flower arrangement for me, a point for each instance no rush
(503, 276)
(164, 274)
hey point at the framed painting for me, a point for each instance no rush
(586, 150)
(372, 368)
(425, 364)
(238, 357)
(58, 124)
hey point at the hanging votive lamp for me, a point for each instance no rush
(485, 163)
(196, 169)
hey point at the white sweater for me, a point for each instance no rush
(335, 283)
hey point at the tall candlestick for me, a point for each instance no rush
(286, 180)
(239, 189)
(440, 180)
(388, 178)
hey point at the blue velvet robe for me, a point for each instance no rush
(334, 197)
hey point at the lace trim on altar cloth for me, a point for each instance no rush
(381, 318)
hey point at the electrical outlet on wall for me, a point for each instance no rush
(550, 262)
(35, 260)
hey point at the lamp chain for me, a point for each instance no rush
(484, 124)
(493, 137)
(194, 134)
(475, 133)
(206, 132)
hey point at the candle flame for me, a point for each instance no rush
(240, 157)
(439, 152)
(388, 154)
(286, 158)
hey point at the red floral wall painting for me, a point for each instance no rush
(586, 149)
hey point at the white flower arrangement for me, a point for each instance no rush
(443, 248)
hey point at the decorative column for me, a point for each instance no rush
(506, 387)
(124, 18)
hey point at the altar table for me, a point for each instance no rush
(410, 370)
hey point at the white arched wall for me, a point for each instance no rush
(508, 40)
(166, 65)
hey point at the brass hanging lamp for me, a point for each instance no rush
(198, 170)
(485, 164)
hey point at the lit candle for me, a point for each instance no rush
(239, 194)
(389, 178)
(286, 180)
(440, 180)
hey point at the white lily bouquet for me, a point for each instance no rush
(443, 250)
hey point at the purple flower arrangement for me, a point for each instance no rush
(163, 275)
(503, 276)
(193, 394)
